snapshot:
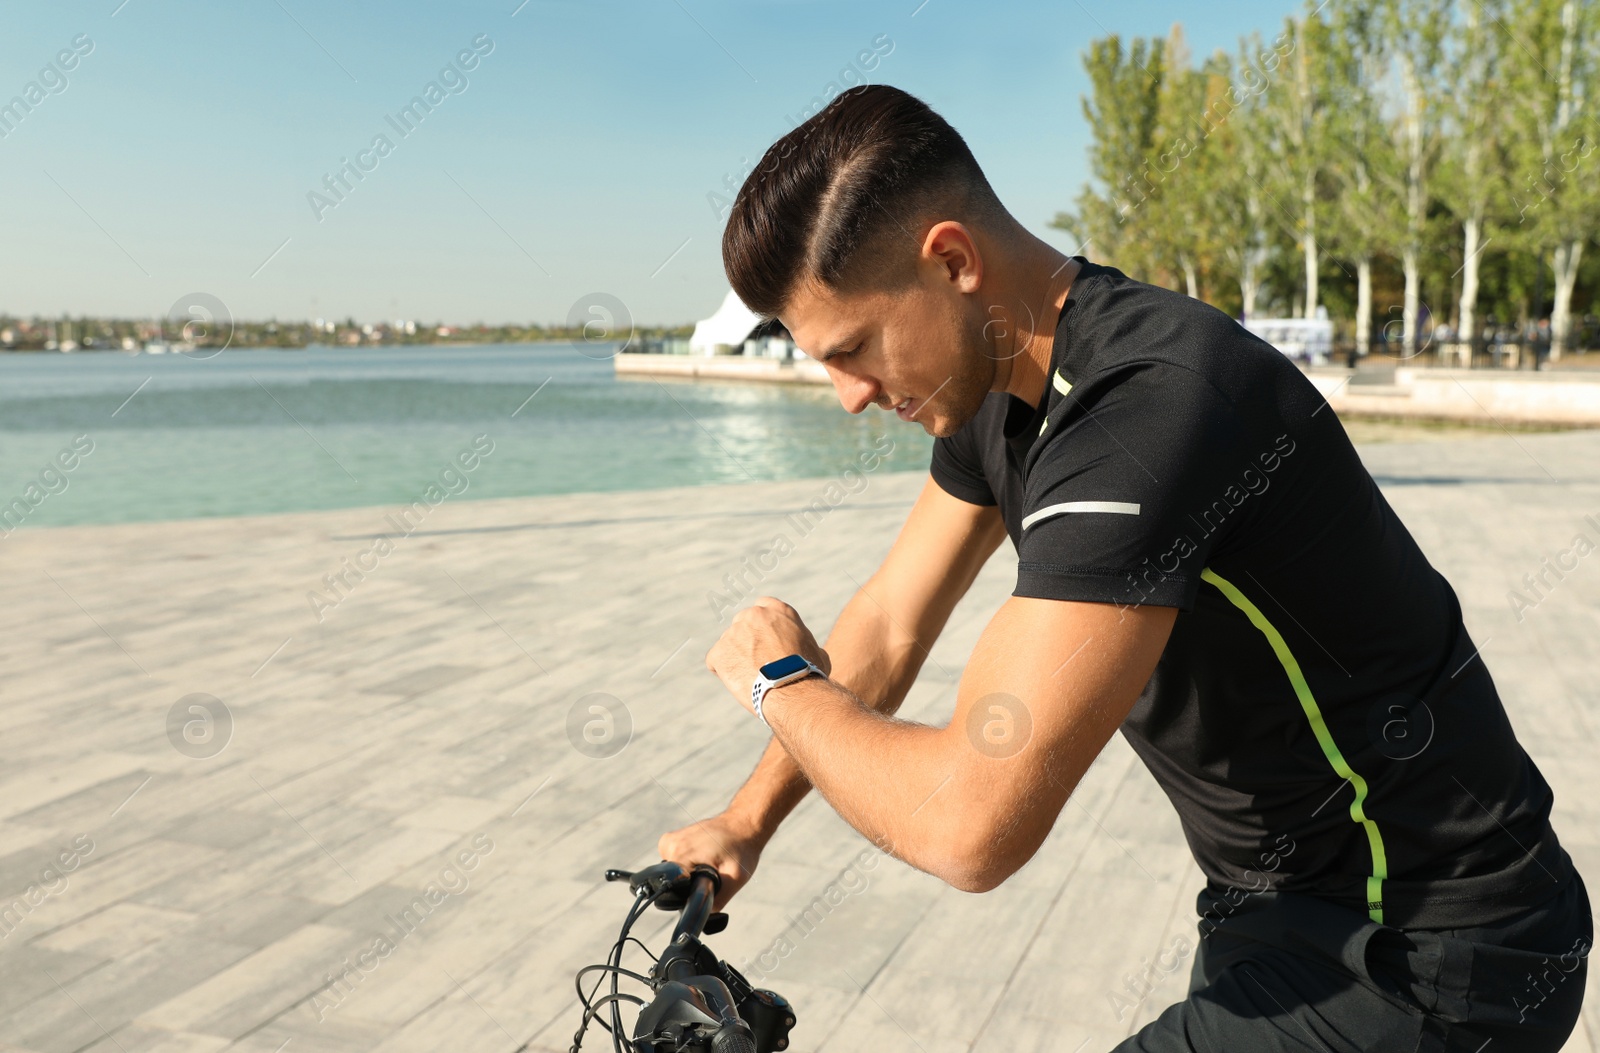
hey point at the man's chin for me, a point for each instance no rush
(937, 427)
(945, 417)
(943, 425)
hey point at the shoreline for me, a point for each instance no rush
(1467, 397)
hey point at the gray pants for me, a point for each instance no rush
(1302, 974)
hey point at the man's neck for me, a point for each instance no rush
(1033, 287)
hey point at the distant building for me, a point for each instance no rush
(1309, 340)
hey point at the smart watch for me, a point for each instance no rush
(776, 674)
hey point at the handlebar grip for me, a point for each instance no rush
(733, 1039)
(703, 882)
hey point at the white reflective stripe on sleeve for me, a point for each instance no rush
(1061, 383)
(1122, 507)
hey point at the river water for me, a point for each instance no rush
(246, 432)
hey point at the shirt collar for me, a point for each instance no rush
(1023, 422)
(1069, 359)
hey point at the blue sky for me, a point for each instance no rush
(578, 158)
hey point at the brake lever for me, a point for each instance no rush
(670, 884)
(658, 878)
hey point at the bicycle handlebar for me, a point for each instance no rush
(699, 1004)
(703, 883)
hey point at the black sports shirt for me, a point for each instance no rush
(1320, 718)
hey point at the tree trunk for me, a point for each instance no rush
(1416, 204)
(1190, 279)
(1411, 263)
(1567, 256)
(1364, 305)
(1308, 243)
(1569, 250)
(1467, 329)
(1251, 258)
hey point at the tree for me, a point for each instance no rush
(1236, 169)
(1360, 154)
(1175, 227)
(1553, 81)
(1474, 153)
(1122, 111)
(1414, 34)
(1297, 113)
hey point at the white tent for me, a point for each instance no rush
(732, 323)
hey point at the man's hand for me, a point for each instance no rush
(725, 842)
(764, 633)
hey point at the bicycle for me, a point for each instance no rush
(699, 1004)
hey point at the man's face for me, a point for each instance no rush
(917, 350)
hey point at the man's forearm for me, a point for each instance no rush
(771, 792)
(873, 661)
(901, 785)
(882, 636)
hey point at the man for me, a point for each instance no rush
(1203, 562)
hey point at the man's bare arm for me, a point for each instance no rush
(883, 635)
(876, 649)
(1053, 679)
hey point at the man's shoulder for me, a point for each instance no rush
(1121, 321)
(1171, 347)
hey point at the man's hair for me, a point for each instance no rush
(836, 197)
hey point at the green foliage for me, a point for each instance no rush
(1122, 112)
(1399, 139)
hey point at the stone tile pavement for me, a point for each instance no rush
(249, 797)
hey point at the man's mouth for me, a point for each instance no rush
(907, 408)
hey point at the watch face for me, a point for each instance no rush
(783, 667)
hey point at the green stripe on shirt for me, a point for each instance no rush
(1319, 727)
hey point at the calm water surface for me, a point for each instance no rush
(249, 432)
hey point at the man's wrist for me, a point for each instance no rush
(780, 673)
(781, 702)
(753, 821)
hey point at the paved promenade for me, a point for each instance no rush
(214, 806)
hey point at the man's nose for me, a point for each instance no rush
(855, 393)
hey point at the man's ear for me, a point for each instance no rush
(950, 247)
